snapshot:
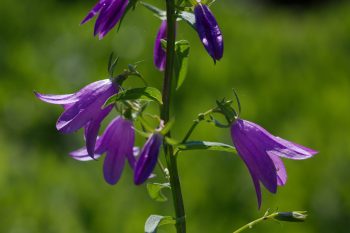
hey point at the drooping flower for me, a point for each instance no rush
(110, 12)
(209, 31)
(158, 52)
(83, 109)
(148, 158)
(261, 152)
(117, 142)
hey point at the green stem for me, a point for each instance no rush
(251, 224)
(168, 149)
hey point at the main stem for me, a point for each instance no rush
(168, 149)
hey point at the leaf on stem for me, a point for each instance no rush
(155, 191)
(204, 145)
(182, 51)
(145, 93)
(155, 221)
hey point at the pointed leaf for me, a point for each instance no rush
(145, 93)
(182, 51)
(154, 221)
(155, 191)
(157, 12)
(203, 145)
(189, 18)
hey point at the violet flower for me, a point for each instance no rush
(83, 109)
(159, 53)
(110, 12)
(209, 31)
(148, 158)
(261, 152)
(118, 142)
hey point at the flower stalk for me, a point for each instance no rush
(165, 115)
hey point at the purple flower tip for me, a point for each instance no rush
(261, 152)
(110, 12)
(158, 52)
(209, 31)
(83, 109)
(148, 158)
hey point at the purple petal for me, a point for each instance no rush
(254, 155)
(109, 16)
(158, 52)
(209, 31)
(113, 166)
(118, 139)
(92, 128)
(281, 170)
(82, 155)
(56, 99)
(95, 10)
(148, 159)
(279, 146)
(86, 109)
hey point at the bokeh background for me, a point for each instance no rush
(288, 60)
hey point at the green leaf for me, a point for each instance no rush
(189, 18)
(155, 191)
(145, 93)
(157, 12)
(182, 51)
(203, 145)
(155, 221)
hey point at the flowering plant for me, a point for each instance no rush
(87, 108)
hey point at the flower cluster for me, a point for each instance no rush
(85, 109)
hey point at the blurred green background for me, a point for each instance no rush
(289, 64)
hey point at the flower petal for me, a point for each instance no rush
(92, 128)
(56, 99)
(82, 155)
(95, 10)
(254, 155)
(281, 170)
(113, 165)
(148, 159)
(159, 54)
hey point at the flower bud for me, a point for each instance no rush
(209, 31)
(294, 216)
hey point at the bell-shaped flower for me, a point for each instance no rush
(158, 52)
(261, 152)
(148, 158)
(83, 109)
(110, 12)
(209, 31)
(117, 142)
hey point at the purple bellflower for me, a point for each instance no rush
(83, 109)
(118, 142)
(209, 31)
(261, 152)
(148, 158)
(158, 52)
(110, 12)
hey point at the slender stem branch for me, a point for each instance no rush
(165, 113)
(251, 224)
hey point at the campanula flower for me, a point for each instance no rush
(117, 142)
(209, 31)
(83, 109)
(110, 12)
(261, 152)
(148, 158)
(158, 52)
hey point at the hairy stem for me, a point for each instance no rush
(165, 113)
